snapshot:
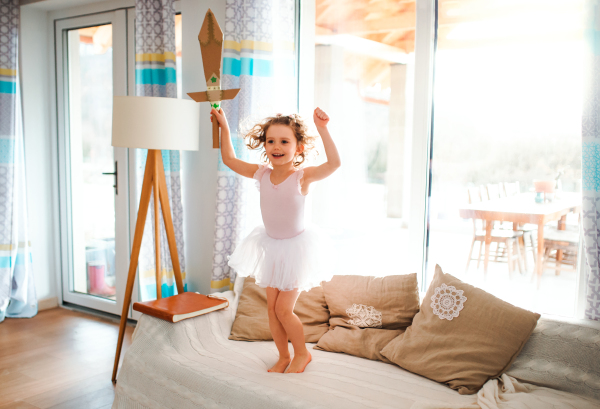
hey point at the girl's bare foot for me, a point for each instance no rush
(299, 362)
(280, 365)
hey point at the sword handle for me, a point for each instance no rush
(215, 129)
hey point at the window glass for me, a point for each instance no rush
(90, 84)
(507, 123)
(178, 53)
(363, 80)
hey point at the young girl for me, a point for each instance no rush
(283, 256)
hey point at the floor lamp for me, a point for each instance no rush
(153, 123)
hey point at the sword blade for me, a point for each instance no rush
(211, 47)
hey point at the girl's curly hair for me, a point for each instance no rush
(257, 137)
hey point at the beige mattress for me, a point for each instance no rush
(192, 364)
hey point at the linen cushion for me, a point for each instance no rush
(362, 342)
(462, 336)
(372, 302)
(563, 356)
(252, 318)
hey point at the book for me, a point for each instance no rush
(181, 306)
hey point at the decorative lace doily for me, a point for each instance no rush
(364, 316)
(447, 302)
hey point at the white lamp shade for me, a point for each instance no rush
(156, 123)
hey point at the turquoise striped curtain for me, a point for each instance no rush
(591, 162)
(156, 76)
(259, 58)
(17, 289)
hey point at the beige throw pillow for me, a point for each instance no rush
(365, 343)
(368, 312)
(372, 302)
(252, 320)
(462, 336)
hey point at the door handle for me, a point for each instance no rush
(116, 185)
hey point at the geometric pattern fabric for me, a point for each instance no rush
(591, 166)
(155, 76)
(17, 288)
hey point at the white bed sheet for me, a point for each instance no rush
(192, 364)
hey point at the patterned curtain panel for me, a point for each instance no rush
(591, 163)
(17, 291)
(155, 76)
(259, 57)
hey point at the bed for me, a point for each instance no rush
(192, 364)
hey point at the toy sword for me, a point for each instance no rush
(211, 46)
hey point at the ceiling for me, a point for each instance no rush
(52, 5)
(462, 24)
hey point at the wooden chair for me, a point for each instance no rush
(493, 191)
(507, 237)
(529, 230)
(511, 188)
(497, 191)
(566, 241)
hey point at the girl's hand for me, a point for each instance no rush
(321, 118)
(220, 118)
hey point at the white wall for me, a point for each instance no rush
(38, 148)
(199, 179)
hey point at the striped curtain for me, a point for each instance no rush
(155, 76)
(591, 163)
(259, 58)
(17, 290)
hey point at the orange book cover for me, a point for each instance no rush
(181, 306)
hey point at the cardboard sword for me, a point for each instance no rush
(211, 47)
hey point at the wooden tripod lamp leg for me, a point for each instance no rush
(166, 210)
(135, 253)
(155, 182)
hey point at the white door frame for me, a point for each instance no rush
(118, 20)
(134, 200)
(422, 117)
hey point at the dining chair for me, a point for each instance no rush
(509, 238)
(566, 241)
(527, 228)
(483, 193)
(489, 192)
(527, 241)
(493, 191)
(510, 188)
(496, 191)
(501, 191)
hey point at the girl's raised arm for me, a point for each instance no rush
(314, 173)
(227, 152)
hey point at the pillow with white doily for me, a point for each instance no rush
(368, 312)
(462, 336)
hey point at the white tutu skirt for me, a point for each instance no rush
(301, 262)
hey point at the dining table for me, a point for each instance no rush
(521, 209)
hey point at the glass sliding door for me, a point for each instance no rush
(363, 78)
(91, 68)
(91, 155)
(506, 149)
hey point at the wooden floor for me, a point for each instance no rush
(58, 359)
